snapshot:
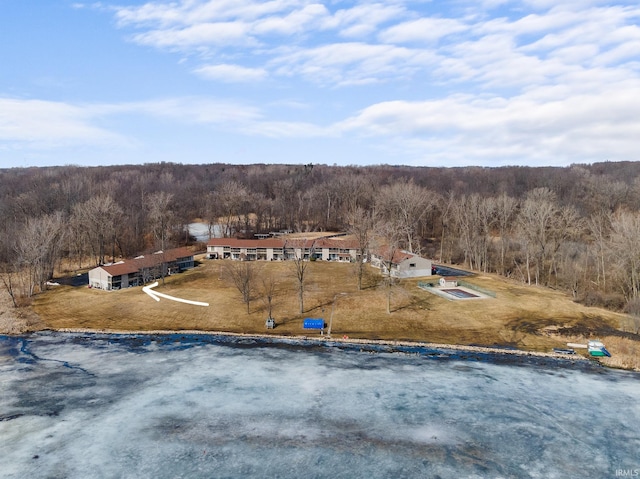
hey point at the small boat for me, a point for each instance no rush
(564, 351)
(597, 349)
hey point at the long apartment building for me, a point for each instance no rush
(403, 264)
(140, 270)
(276, 249)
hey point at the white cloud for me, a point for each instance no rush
(347, 63)
(489, 4)
(222, 22)
(598, 26)
(530, 24)
(362, 20)
(422, 30)
(503, 80)
(231, 73)
(532, 48)
(50, 124)
(36, 124)
(295, 22)
(580, 127)
(189, 110)
(225, 116)
(629, 51)
(210, 34)
(542, 49)
(189, 12)
(189, 23)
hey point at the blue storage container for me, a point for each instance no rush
(313, 323)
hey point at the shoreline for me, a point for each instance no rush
(325, 340)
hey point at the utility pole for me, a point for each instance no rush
(333, 307)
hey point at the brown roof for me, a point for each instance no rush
(247, 243)
(348, 243)
(398, 255)
(120, 268)
(146, 261)
(284, 242)
(300, 243)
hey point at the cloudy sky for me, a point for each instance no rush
(424, 83)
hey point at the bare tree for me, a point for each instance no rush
(505, 208)
(535, 222)
(445, 204)
(269, 286)
(336, 199)
(406, 204)
(161, 216)
(229, 199)
(633, 310)
(212, 214)
(77, 239)
(544, 227)
(9, 284)
(386, 243)
(263, 209)
(474, 217)
(572, 267)
(299, 267)
(599, 225)
(567, 226)
(625, 247)
(38, 249)
(286, 203)
(361, 224)
(98, 218)
(243, 275)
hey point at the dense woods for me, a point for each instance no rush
(574, 228)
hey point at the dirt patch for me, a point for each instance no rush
(597, 330)
(531, 325)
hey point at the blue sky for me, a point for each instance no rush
(421, 83)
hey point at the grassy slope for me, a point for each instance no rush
(520, 316)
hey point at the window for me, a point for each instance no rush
(412, 265)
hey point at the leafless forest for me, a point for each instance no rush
(575, 228)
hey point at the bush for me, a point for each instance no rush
(610, 301)
(633, 307)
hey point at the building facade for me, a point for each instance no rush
(141, 270)
(277, 249)
(404, 264)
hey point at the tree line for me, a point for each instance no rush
(574, 228)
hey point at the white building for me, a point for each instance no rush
(402, 265)
(140, 270)
(275, 249)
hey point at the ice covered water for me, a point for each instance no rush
(83, 406)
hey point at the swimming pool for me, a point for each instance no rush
(459, 293)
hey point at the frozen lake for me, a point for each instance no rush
(200, 231)
(98, 406)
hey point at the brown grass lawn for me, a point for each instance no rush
(524, 317)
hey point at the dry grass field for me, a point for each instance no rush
(520, 316)
(15, 321)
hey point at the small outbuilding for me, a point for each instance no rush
(403, 264)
